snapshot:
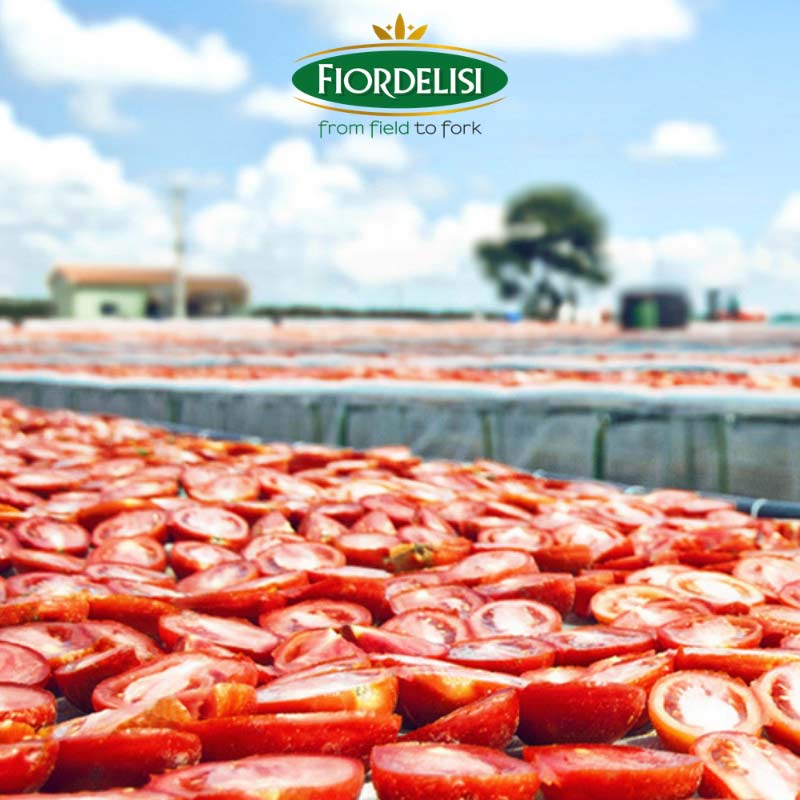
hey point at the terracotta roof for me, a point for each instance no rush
(146, 276)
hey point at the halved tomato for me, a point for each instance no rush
(603, 772)
(513, 654)
(451, 598)
(612, 601)
(491, 566)
(40, 533)
(747, 664)
(720, 592)
(319, 646)
(436, 627)
(22, 665)
(514, 618)
(26, 765)
(589, 643)
(711, 631)
(687, 704)
(190, 556)
(209, 524)
(745, 766)
(313, 614)
(279, 777)
(556, 589)
(34, 707)
(419, 771)
(778, 691)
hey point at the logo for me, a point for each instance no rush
(400, 76)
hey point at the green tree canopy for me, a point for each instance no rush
(553, 239)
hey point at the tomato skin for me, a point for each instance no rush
(141, 613)
(578, 712)
(713, 631)
(278, 777)
(27, 704)
(489, 722)
(376, 640)
(587, 586)
(513, 618)
(412, 771)
(603, 772)
(188, 556)
(607, 604)
(26, 765)
(776, 691)
(22, 665)
(746, 664)
(590, 643)
(313, 614)
(311, 648)
(746, 766)
(715, 588)
(555, 589)
(76, 679)
(436, 627)
(733, 698)
(342, 733)
(120, 758)
(512, 654)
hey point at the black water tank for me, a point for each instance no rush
(654, 308)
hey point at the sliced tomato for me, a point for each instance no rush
(150, 522)
(687, 704)
(373, 690)
(219, 577)
(655, 575)
(298, 556)
(26, 765)
(34, 707)
(104, 572)
(489, 722)
(418, 771)
(118, 634)
(747, 664)
(46, 561)
(320, 646)
(777, 621)
(91, 761)
(58, 642)
(436, 627)
(378, 640)
(612, 601)
(189, 556)
(653, 615)
(139, 613)
(138, 551)
(443, 597)
(589, 643)
(513, 654)
(189, 677)
(22, 665)
(778, 691)
(209, 524)
(341, 733)
(555, 589)
(248, 599)
(768, 573)
(722, 593)
(76, 679)
(279, 777)
(603, 772)
(711, 631)
(237, 635)
(514, 618)
(40, 533)
(313, 614)
(745, 766)
(577, 711)
(491, 566)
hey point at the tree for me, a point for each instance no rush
(553, 239)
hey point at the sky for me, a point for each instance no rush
(679, 118)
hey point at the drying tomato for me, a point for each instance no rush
(414, 771)
(313, 614)
(26, 765)
(716, 631)
(603, 772)
(34, 707)
(514, 654)
(209, 524)
(22, 665)
(436, 627)
(778, 691)
(720, 592)
(685, 705)
(514, 618)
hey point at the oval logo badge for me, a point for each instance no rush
(400, 77)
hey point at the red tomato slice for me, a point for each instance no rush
(189, 557)
(279, 777)
(603, 772)
(576, 711)
(312, 648)
(137, 551)
(489, 722)
(39, 533)
(584, 645)
(744, 766)
(555, 589)
(237, 635)
(58, 642)
(34, 707)
(22, 665)
(651, 616)
(514, 618)
(513, 654)
(218, 578)
(611, 602)
(490, 566)
(374, 640)
(454, 599)
(209, 524)
(297, 557)
(313, 614)
(790, 594)
(248, 599)
(737, 662)
(722, 593)
(227, 489)
(770, 574)
(109, 571)
(436, 627)
(777, 622)
(656, 575)
(150, 522)
(48, 481)
(189, 677)
(76, 679)
(341, 733)
(45, 561)
(685, 705)
(718, 631)
(418, 771)
(91, 761)
(778, 690)
(373, 690)
(25, 766)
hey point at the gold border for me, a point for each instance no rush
(399, 113)
(400, 44)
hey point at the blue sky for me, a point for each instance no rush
(679, 118)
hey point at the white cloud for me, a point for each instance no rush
(679, 139)
(574, 27)
(62, 200)
(280, 105)
(788, 218)
(50, 46)
(94, 109)
(386, 152)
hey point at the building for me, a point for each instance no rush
(92, 292)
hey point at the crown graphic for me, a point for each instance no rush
(400, 31)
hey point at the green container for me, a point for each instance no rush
(645, 314)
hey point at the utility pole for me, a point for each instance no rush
(179, 285)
